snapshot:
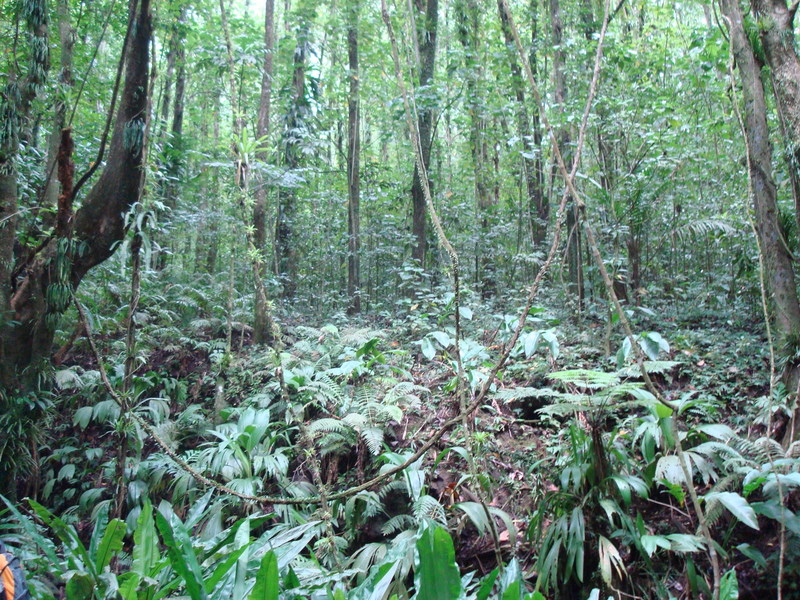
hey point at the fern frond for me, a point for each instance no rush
(373, 438)
(585, 378)
(520, 393)
(428, 507)
(398, 523)
(704, 227)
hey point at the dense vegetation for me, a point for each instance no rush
(370, 300)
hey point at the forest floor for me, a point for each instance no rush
(523, 454)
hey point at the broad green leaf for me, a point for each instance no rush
(242, 542)
(729, 586)
(651, 542)
(128, 586)
(737, 505)
(442, 338)
(753, 554)
(487, 584)
(80, 587)
(428, 351)
(437, 576)
(267, 583)
(182, 556)
(110, 544)
(145, 538)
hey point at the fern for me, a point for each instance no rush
(705, 227)
(521, 393)
(585, 378)
(428, 507)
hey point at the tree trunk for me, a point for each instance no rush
(353, 176)
(574, 263)
(293, 136)
(780, 279)
(67, 42)
(32, 298)
(175, 162)
(468, 26)
(531, 137)
(776, 27)
(263, 326)
(426, 38)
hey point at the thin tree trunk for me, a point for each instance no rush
(353, 176)
(538, 208)
(293, 137)
(574, 262)
(426, 37)
(468, 28)
(263, 329)
(67, 40)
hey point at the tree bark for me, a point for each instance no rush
(353, 155)
(294, 133)
(426, 38)
(574, 262)
(776, 27)
(29, 299)
(263, 325)
(780, 278)
(65, 81)
(468, 26)
(530, 133)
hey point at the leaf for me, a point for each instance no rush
(428, 350)
(182, 556)
(651, 542)
(242, 542)
(737, 505)
(80, 587)
(129, 582)
(110, 544)
(729, 586)
(531, 342)
(669, 468)
(145, 549)
(610, 561)
(487, 584)
(437, 576)
(267, 583)
(753, 554)
(465, 312)
(442, 338)
(682, 542)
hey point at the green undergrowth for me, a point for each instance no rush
(566, 482)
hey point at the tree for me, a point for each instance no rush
(294, 133)
(353, 176)
(574, 262)
(261, 332)
(779, 276)
(529, 130)
(428, 11)
(36, 287)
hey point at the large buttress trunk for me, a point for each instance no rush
(780, 278)
(26, 334)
